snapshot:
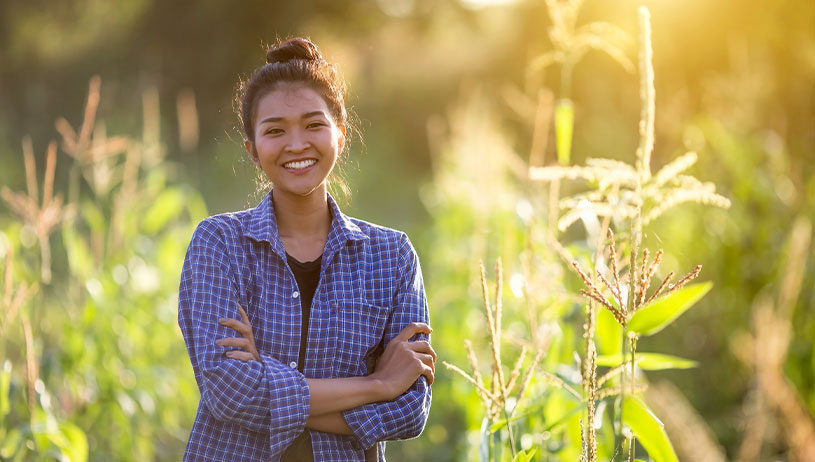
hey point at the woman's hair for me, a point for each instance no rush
(295, 60)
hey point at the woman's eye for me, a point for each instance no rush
(274, 131)
(315, 125)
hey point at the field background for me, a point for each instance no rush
(441, 90)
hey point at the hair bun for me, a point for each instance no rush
(293, 48)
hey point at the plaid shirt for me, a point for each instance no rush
(370, 288)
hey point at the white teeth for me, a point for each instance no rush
(300, 164)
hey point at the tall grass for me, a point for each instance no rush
(624, 197)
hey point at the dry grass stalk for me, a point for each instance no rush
(611, 373)
(661, 287)
(494, 398)
(13, 299)
(32, 369)
(614, 292)
(516, 369)
(78, 145)
(649, 274)
(557, 382)
(685, 279)
(42, 219)
(772, 327)
(619, 389)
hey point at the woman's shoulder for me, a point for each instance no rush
(222, 226)
(379, 233)
(384, 238)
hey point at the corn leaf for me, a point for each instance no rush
(564, 124)
(648, 430)
(609, 333)
(664, 310)
(649, 361)
(525, 456)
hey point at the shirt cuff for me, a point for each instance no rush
(288, 402)
(366, 424)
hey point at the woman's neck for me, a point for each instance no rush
(303, 223)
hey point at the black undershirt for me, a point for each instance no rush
(307, 276)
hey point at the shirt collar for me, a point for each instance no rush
(263, 227)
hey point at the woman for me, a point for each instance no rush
(330, 357)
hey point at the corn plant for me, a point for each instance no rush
(633, 196)
(93, 365)
(620, 308)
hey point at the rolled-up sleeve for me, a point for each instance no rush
(263, 396)
(404, 417)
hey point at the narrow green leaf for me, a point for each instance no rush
(649, 361)
(564, 124)
(11, 444)
(168, 205)
(5, 386)
(94, 217)
(664, 310)
(79, 255)
(525, 456)
(76, 448)
(648, 430)
(609, 333)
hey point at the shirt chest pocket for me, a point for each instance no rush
(360, 327)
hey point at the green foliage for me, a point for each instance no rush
(648, 430)
(100, 371)
(648, 361)
(655, 316)
(564, 125)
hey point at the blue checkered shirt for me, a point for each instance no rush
(370, 288)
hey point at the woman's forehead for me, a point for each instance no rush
(291, 101)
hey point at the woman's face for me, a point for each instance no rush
(296, 142)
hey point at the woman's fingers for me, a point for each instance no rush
(245, 317)
(240, 355)
(428, 360)
(234, 342)
(428, 373)
(243, 329)
(422, 346)
(412, 329)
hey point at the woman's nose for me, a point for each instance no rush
(297, 141)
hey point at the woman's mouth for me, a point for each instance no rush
(300, 164)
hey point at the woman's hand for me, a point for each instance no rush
(404, 361)
(247, 341)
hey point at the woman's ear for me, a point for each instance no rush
(341, 138)
(250, 148)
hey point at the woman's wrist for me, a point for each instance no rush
(379, 388)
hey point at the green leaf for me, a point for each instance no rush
(564, 124)
(664, 310)
(75, 443)
(11, 444)
(79, 256)
(168, 205)
(609, 333)
(649, 361)
(648, 429)
(94, 217)
(525, 456)
(5, 385)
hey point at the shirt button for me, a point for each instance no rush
(295, 294)
(293, 365)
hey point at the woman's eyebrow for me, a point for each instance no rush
(304, 116)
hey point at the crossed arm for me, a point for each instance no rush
(402, 362)
(268, 396)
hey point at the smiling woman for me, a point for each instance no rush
(307, 329)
